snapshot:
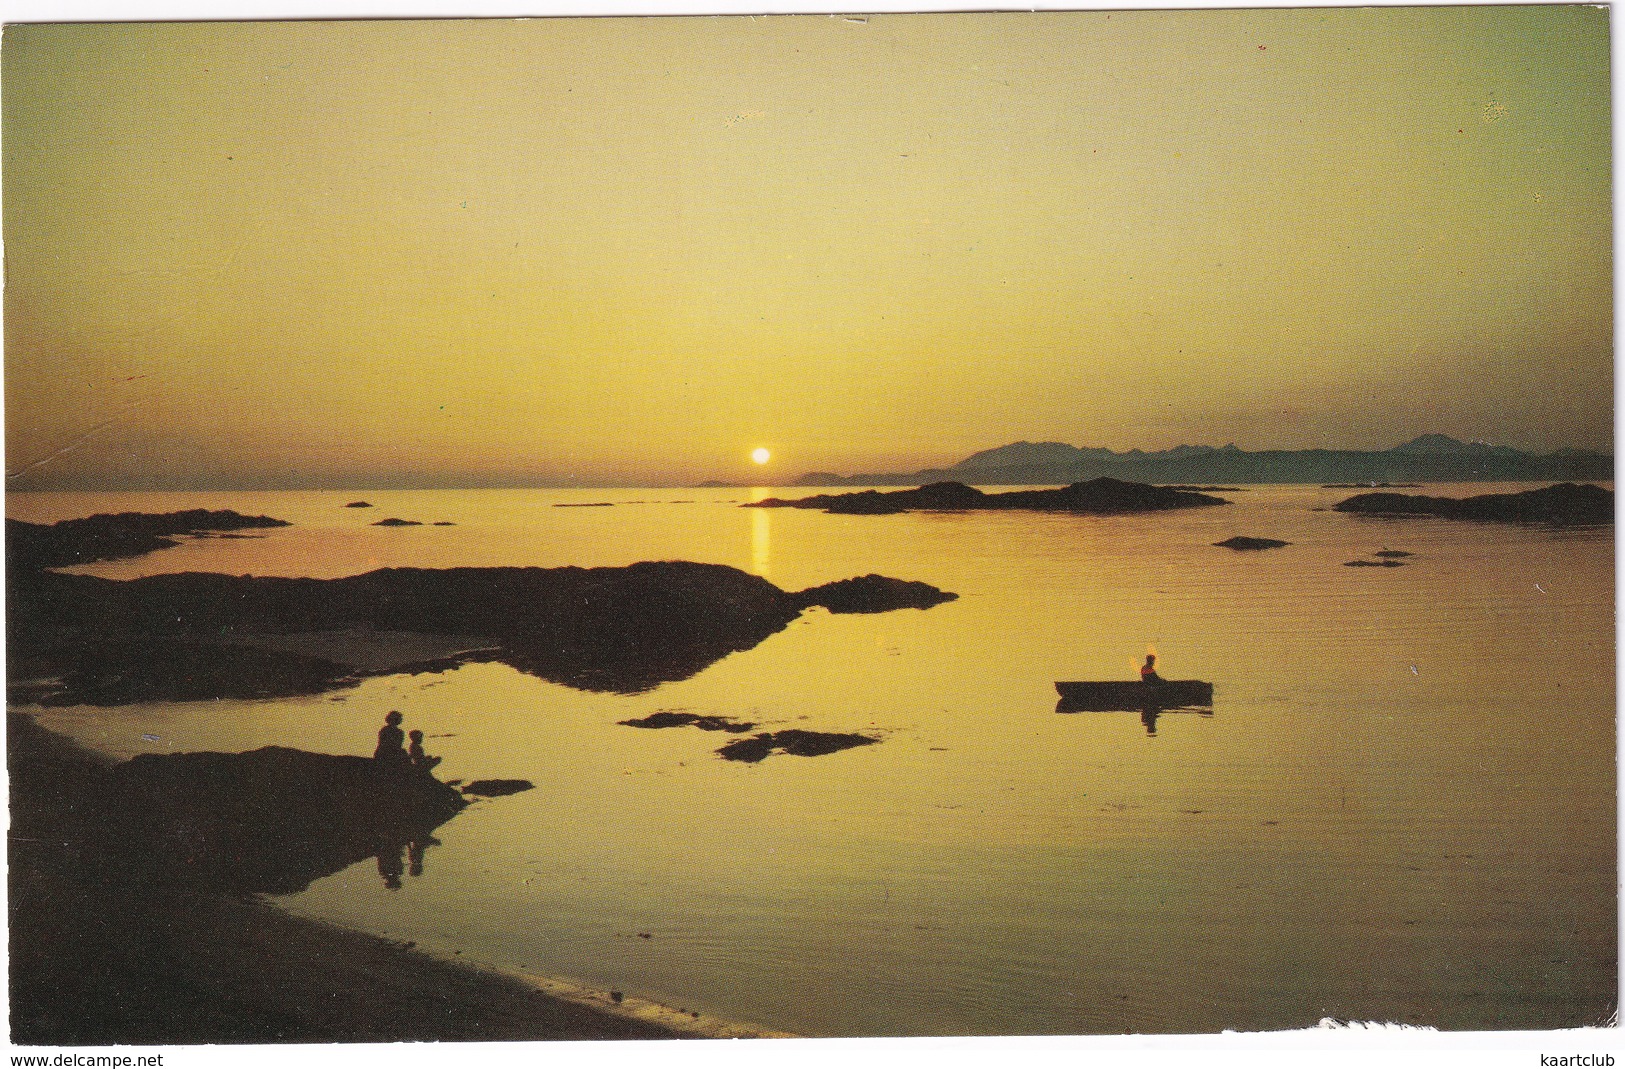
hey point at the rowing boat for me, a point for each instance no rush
(1134, 694)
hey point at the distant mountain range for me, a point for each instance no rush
(1430, 458)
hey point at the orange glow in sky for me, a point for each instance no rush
(567, 250)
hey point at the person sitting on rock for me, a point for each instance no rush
(421, 762)
(391, 750)
(1148, 670)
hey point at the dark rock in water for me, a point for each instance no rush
(873, 593)
(792, 741)
(1369, 486)
(393, 522)
(1248, 542)
(33, 546)
(359, 505)
(496, 788)
(1103, 496)
(585, 505)
(668, 719)
(1373, 564)
(1566, 504)
(444, 523)
(1392, 553)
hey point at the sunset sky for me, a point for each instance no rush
(457, 253)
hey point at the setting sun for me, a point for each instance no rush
(761, 456)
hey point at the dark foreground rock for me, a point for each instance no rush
(270, 821)
(1563, 505)
(76, 639)
(114, 536)
(112, 945)
(1373, 564)
(1249, 542)
(396, 522)
(792, 741)
(359, 505)
(1103, 497)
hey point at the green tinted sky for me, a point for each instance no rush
(465, 251)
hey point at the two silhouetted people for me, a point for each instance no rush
(393, 753)
(396, 757)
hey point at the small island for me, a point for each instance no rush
(1097, 497)
(1248, 542)
(1562, 505)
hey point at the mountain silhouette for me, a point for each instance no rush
(1427, 458)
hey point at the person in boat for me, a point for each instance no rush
(391, 751)
(1148, 670)
(421, 762)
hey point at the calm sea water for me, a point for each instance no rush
(1401, 809)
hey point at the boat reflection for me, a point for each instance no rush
(1151, 702)
(1148, 714)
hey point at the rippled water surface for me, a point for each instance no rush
(1401, 807)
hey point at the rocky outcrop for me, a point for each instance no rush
(75, 639)
(1566, 504)
(269, 821)
(1103, 496)
(114, 536)
(873, 593)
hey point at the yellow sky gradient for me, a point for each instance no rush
(473, 252)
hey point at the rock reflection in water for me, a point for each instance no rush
(77, 639)
(269, 821)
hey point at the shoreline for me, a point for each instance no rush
(97, 963)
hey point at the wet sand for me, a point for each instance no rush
(97, 962)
